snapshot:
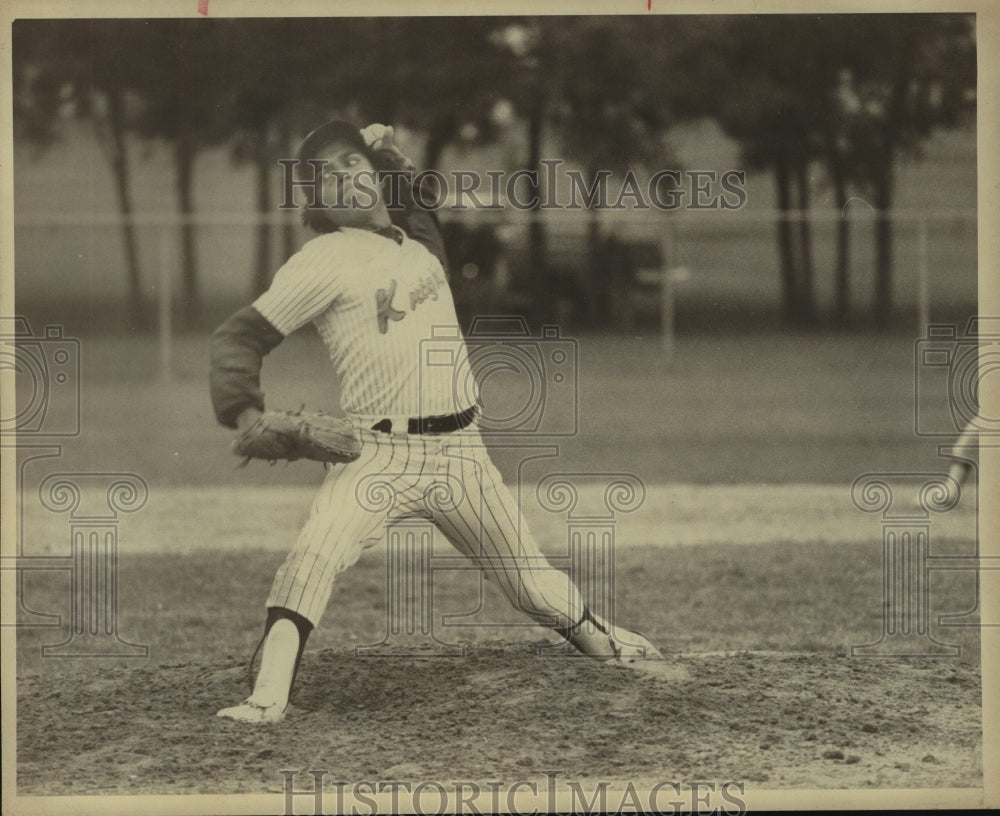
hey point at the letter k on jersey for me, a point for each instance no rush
(383, 307)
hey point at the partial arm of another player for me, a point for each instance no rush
(966, 449)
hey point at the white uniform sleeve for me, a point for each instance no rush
(305, 286)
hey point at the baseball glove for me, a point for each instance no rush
(301, 434)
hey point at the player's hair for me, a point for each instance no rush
(313, 144)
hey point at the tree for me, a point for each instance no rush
(611, 119)
(767, 102)
(88, 69)
(444, 76)
(904, 77)
(746, 74)
(186, 84)
(323, 68)
(854, 92)
(842, 171)
(268, 85)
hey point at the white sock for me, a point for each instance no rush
(277, 665)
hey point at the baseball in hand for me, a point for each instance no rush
(378, 136)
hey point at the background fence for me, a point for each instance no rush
(724, 268)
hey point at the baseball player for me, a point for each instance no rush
(373, 283)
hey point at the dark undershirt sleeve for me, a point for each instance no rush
(422, 226)
(237, 350)
(420, 223)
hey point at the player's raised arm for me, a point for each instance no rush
(420, 223)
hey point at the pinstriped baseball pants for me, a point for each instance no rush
(446, 478)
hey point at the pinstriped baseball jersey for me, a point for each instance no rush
(373, 301)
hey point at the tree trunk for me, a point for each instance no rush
(537, 254)
(806, 301)
(883, 246)
(837, 170)
(597, 273)
(786, 248)
(120, 168)
(842, 277)
(262, 271)
(288, 232)
(884, 182)
(190, 296)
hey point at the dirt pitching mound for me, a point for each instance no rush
(503, 713)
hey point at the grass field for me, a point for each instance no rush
(764, 408)
(747, 542)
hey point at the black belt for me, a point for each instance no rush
(449, 423)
